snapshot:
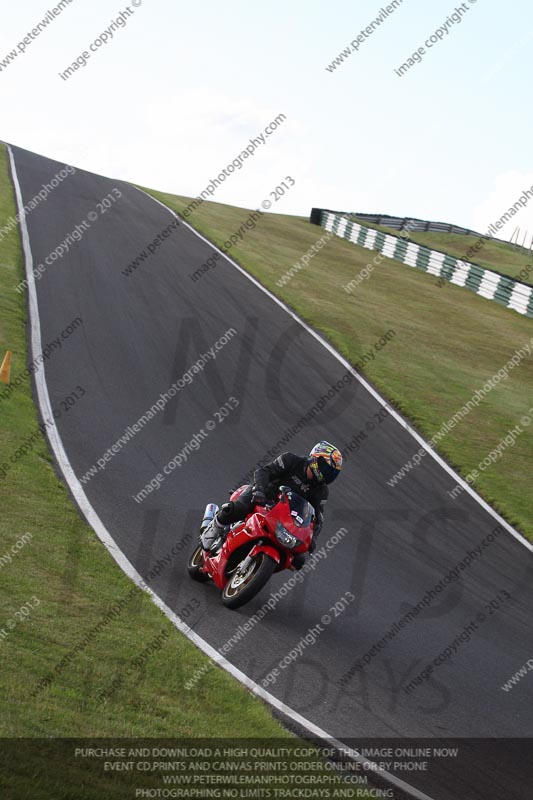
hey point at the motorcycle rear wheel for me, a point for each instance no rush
(194, 565)
(241, 588)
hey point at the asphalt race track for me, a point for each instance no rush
(139, 334)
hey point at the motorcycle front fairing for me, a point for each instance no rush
(290, 523)
(293, 524)
(279, 531)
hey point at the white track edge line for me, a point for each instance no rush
(102, 533)
(403, 422)
(105, 537)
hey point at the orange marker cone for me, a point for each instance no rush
(5, 369)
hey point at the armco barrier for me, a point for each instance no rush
(491, 285)
(415, 225)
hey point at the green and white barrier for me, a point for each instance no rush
(491, 285)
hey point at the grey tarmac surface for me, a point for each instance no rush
(142, 332)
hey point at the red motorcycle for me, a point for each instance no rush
(261, 544)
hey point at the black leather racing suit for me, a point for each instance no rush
(289, 470)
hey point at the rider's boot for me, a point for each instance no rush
(214, 535)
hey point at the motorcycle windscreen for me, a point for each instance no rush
(301, 511)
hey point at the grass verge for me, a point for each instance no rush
(448, 342)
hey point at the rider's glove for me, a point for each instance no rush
(258, 496)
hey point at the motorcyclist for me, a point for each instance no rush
(308, 476)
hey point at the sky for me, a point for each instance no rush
(180, 89)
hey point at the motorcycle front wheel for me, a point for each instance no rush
(241, 588)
